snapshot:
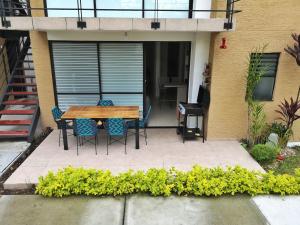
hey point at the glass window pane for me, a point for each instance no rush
(70, 4)
(264, 89)
(65, 101)
(119, 4)
(126, 100)
(168, 4)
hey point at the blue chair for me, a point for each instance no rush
(142, 123)
(57, 114)
(86, 128)
(117, 130)
(105, 103)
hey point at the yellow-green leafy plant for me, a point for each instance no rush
(161, 182)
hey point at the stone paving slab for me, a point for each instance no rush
(36, 210)
(165, 149)
(279, 210)
(192, 211)
(9, 152)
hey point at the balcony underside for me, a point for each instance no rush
(116, 24)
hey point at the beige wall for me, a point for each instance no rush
(42, 66)
(261, 22)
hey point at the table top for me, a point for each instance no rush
(102, 112)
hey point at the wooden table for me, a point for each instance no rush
(101, 112)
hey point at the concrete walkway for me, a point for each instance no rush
(136, 210)
(9, 152)
(279, 210)
(164, 150)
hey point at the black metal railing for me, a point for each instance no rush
(4, 67)
(23, 8)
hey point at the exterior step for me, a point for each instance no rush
(24, 76)
(21, 93)
(14, 133)
(20, 102)
(17, 112)
(22, 84)
(15, 122)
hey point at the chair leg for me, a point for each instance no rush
(145, 134)
(59, 137)
(107, 145)
(125, 143)
(96, 144)
(77, 144)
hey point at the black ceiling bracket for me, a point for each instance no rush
(5, 23)
(155, 24)
(80, 23)
(229, 14)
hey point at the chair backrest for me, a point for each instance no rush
(115, 126)
(56, 113)
(85, 127)
(105, 103)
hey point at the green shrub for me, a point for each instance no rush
(264, 153)
(160, 182)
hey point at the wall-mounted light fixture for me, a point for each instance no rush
(223, 44)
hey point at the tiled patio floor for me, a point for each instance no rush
(164, 150)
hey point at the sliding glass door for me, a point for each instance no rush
(86, 72)
(76, 73)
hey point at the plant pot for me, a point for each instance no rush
(280, 157)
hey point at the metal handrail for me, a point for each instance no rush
(230, 11)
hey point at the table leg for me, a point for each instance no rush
(65, 135)
(137, 134)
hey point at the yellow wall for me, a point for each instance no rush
(261, 22)
(42, 66)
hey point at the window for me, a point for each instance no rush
(265, 87)
(120, 4)
(56, 7)
(101, 8)
(166, 5)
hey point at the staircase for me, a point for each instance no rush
(19, 106)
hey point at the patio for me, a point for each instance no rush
(164, 150)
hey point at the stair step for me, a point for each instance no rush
(22, 84)
(23, 76)
(15, 122)
(14, 133)
(21, 93)
(17, 112)
(20, 102)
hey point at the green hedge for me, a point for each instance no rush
(160, 182)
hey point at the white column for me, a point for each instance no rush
(202, 5)
(199, 57)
